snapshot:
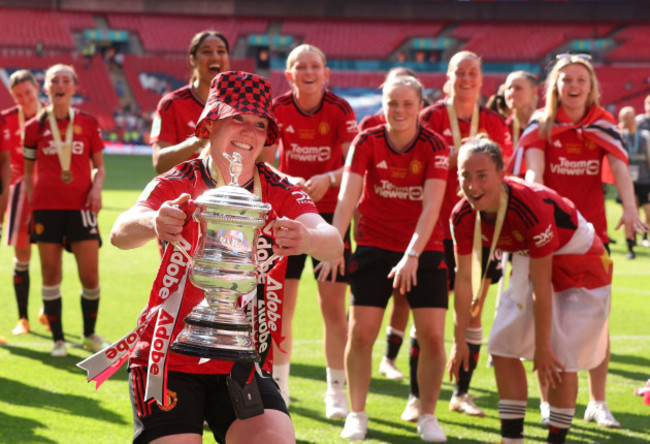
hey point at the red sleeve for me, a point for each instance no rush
(158, 191)
(438, 166)
(462, 227)
(32, 134)
(543, 236)
(359, 156)
(347, 126)
(291, 203)
(4, 135)
(96, 142)
(163, 127)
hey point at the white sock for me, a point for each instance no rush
(281, 376)
(393, 331)
(335, 379)
(562, 418)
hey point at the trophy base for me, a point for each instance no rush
(217, 325)
(214, 353)
(211, 343)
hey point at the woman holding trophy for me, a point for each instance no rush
(238, 122)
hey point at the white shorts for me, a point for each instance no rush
(579, 324)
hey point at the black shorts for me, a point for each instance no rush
(642, 192)
(65, 226)
(193, 399)
(370, 286)
(296, 263)
(494, 271)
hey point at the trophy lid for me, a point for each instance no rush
(233, 196)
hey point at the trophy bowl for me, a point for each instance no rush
(224, 266)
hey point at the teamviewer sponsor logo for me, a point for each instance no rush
(309, 153)
(388, 190)
(568, 167)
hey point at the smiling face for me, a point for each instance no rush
(401, 104)
(210, 58)
(480, 181)
(244, 134)
(25, 94)
(466, 78)
(308, 74)
(574, 87)
(519, 93)
(60, 85)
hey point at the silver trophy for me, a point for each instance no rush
(224, 265)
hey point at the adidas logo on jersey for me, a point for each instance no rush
(382, 165)
(447, 132)
(557, 143)
(191, 124)
(47, 133)
(290, 129)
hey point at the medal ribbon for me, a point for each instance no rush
(516, 128)
(478, 279)
(63, 150)
(455, 129)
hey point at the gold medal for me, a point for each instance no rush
(66, 176)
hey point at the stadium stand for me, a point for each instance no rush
(522, 42)
(155, 57)
(172, 34)
(95, 91)
(633, 41)
(22, 28)
(340, 39)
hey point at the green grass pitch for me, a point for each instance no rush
(47, 400)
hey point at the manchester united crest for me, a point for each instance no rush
(172, 400)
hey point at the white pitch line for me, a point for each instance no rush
(630, 290)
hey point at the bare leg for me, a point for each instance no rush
(430, 324)
(331, 297)
(364, 326)
(273, 426)
(511, 378)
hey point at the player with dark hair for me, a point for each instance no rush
(172, 132)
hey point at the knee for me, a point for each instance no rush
(361, 339)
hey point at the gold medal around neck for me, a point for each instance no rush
(66, 176)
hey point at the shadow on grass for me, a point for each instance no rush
(635, 360)
(67, 363)
(17, 393)
(17, 429)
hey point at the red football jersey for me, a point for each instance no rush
(12, 142)
(4, 146)
(391, 202)
(310, 144)
(50, 193)
(538, 221)
(176, 117)
(193, 178)
(491, 123)
(573, 168)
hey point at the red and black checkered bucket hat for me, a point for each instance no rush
(234, 93)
